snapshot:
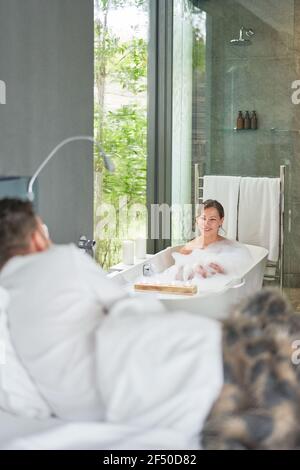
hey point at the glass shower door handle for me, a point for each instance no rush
(196, 184)
(290, 221)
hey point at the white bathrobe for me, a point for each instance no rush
(58, 300)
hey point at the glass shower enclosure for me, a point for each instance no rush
(229, 56)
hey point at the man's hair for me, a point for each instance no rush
(17, 222)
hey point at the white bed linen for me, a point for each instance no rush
(158, 374)
(14, 427)
(52, 434)
(18, 393)
(158, 369)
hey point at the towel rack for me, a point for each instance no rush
(279, 266)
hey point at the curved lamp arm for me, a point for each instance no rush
(107, 161)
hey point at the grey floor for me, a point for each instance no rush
(294, 296)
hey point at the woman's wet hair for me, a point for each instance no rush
(215, 204)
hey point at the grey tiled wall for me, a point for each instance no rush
(256, 77)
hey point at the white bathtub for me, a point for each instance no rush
(215, 304)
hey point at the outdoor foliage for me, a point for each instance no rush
(123, 131)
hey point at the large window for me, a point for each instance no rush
(120, 124)
(189, 112)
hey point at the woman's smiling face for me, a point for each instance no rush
(209, 221)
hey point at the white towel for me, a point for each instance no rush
(224, 189)
(259, 214)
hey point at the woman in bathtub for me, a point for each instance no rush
(210, 254)
(209, 222)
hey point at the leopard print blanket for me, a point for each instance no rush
(259, 404)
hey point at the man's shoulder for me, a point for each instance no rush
(57, 262)
(55, 255)
(57, 252)
(68, 255)
(62, 249)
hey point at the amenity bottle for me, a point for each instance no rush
(247, 124)
(253, 120)
(240, 121)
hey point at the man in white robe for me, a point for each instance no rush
(58, 299)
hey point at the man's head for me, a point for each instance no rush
(21, 230)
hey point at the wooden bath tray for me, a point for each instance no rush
(167, 288)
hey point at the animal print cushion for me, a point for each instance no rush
(259, 405)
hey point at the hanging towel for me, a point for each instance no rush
(258, 222)
(224, 189)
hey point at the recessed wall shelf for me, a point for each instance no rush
(244, 130)
(272, 129)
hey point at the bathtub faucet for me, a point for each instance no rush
(148, 269)
(87, 245)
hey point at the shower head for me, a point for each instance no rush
(242, 41)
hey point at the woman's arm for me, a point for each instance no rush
(187, 249)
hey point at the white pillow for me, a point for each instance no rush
(18, 393)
